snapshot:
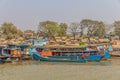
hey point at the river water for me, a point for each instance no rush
(37, 70)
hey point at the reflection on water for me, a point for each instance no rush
(93, 63)
(110, 62)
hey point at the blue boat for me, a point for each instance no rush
(53, 59)
(105, 52)
(11, 50)
(69, 54)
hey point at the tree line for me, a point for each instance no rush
(87, 27)
(10, 31)
(51, 29)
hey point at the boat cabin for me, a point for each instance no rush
(24, 49)
(2, 49)
(12, 50)
(38, 42)
(70, 51)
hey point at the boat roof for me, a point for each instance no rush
(3, 45)
(58, 46)
(11, 48)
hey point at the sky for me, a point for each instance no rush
(26, 14)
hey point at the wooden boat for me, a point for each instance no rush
(105, 51)
(24, 48)
(62, 59)
(16, 50)
(69, 54)
(25, 51)
(2, 61)
(12, 50)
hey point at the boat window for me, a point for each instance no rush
(46, 49)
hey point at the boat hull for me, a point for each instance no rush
(67, 58)
(50, 59)
(94, 58)
(2, 61)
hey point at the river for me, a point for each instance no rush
(37, 70)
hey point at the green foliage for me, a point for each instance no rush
(100, 29)
(10, 30)
(82, 44)
(29, 31)
(63, 29)
(20, 33)
(49, 29)
(94, 28)
(117, 27)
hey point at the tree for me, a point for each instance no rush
(9, 30)
(93, 28)
(90, 26)
(117, 28)
(100, 29)
(74, 29)
(82, 29)
(63, 30)
(109, 28)
(49, 29)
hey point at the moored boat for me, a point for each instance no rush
(69, 54)
(62, 59)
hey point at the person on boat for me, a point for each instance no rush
(102, 51)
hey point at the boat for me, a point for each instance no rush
(68, 54)
(2, 61)
(52, 59)
(25, 51)
(13, 52)
(105, 51)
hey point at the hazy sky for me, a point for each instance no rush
(26, 14)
